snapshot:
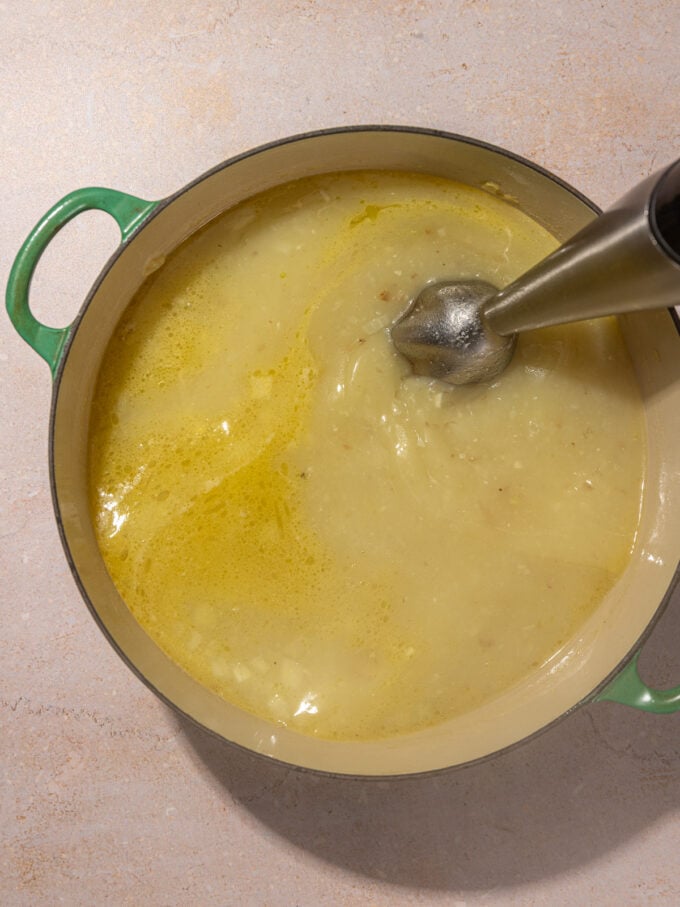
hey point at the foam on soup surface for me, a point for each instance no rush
(312, 532)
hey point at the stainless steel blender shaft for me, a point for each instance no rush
(625, 260)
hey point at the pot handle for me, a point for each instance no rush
(629, 689)
(128, 212)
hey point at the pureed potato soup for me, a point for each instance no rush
(312, 532)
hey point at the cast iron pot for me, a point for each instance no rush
(599, 663)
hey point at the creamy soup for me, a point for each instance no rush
(312, 532)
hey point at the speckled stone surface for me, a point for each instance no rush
(107, 797)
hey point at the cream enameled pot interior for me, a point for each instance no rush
(583, 664)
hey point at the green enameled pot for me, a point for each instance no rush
(599, 662)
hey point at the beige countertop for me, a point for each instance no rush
(107, 796)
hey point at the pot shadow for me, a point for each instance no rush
(564, 798)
